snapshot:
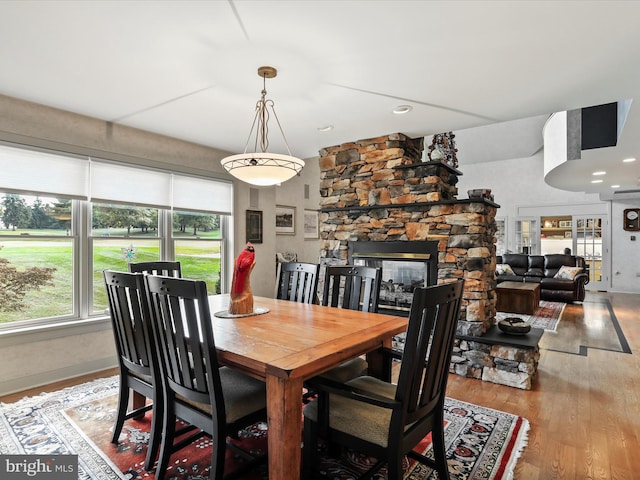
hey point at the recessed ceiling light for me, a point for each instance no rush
(402, 109)
(596, 181)
(615, 186)
(629, 160)
(326, 128)
(601, 172)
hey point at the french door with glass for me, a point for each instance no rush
(590, 244)
(527, 234)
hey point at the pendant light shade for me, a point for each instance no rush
(261, 167)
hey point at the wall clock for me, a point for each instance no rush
(632, 219)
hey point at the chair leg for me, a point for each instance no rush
(168, 433)
(156, 431)
(218, 455)
(439, 450)
(123, 403)
(394, 467)
(310, 448)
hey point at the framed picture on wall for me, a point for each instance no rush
(285, 220)
(254, 226)
(310, 227)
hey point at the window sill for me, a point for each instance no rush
(31, 334)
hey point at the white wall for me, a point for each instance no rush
(626, 251)
(519, 188)
(291, 193)
(515, 184)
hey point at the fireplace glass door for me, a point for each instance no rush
(405, 267)
(399, 279)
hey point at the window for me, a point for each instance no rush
(198, 246)
(120, 234)
(54, 247)
(36, 258)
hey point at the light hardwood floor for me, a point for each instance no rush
(584, 411)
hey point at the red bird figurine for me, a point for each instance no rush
(241, 296)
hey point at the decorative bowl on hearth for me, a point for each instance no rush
(514, 326)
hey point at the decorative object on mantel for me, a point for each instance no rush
(443, 149)
(263, 168)
(241, 295)
(514, 326)
(479, 193)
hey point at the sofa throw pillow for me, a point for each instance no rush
(504, 269)
(567, 273)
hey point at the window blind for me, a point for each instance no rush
(117, 183)
(41, 173)
(29, 171)
(202, 195)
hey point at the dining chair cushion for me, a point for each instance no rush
(357, 418)
(141, 376)
(344, 372)
(236, 386)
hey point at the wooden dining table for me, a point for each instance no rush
(287, 345)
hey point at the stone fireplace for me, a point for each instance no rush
(379, 190)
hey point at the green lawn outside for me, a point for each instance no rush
(199, 260)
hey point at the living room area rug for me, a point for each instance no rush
(547, 316)
(482, 443)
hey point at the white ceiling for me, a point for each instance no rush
(188, 69)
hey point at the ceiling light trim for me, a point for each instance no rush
(402, 109)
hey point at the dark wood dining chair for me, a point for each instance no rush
(219, 401)
(298, 282)
(138, 369)
(355, 288)
(385, 420)
(166, 268)
(352, 286)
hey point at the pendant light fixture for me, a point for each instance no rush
(261, 167)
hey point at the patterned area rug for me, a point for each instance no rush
(546, 316)
(481, 443)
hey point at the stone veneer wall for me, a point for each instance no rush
(379, 189)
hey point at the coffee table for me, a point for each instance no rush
(518, 297)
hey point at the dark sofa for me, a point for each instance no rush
(544, 269)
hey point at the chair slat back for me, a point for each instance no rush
(183, 331)
(428, 347)
(353, 287)
(298, 282)
(168, 269)
(129, 319)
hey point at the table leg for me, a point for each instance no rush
(284, 410)
(137, 401)
(380, 365)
